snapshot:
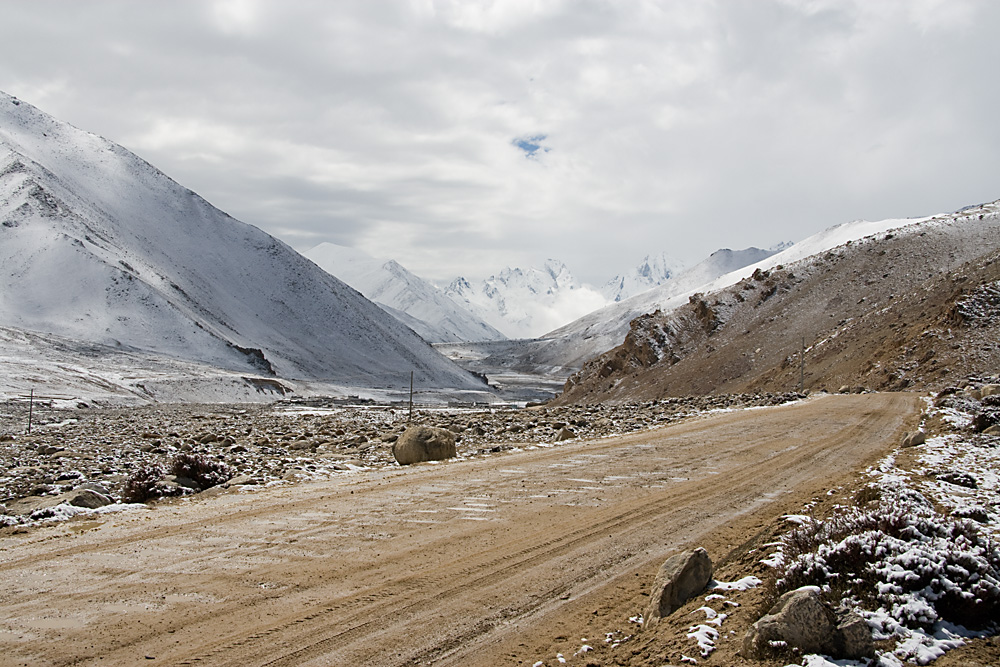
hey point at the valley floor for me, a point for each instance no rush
(509, 558)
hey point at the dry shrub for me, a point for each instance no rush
(203, 471)
(143, 484)
(899, 554)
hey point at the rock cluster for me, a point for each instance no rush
(69, 449)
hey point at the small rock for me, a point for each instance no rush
(185, 482)
(242, 480)
(962, 479)
(565, 434)
(989, 390)
(854, 638)
(93, 486)
(87, 498)
(680, 577)
(914, 439)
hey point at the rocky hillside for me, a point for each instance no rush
(914, 307)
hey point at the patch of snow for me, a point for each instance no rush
(744, 584)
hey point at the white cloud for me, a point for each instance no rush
(681, 126)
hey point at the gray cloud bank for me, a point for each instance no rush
(459, 137)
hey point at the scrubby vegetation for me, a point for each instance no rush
(899, 555)
(202, 470)
(143, 484)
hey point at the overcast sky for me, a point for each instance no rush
(461, 137)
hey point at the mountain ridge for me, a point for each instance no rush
(882, 305)
(410, 298)
(154, 266)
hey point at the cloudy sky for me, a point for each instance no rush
(462, 136)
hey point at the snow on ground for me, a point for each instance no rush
(945, 498)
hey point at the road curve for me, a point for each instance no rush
(437, 564)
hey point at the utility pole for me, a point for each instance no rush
(802, 367)
(31, 405)
(410, 418)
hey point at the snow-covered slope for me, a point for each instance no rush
(652, 271)
(419, 304)
(523, 303)
(566, 348)
(98, 245)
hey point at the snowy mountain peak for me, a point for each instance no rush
(523, 303)
(411, 299)
(652, 271)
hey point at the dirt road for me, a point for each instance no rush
(464, 562)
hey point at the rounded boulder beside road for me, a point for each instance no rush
(424, 443)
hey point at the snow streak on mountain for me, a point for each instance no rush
(97, 245)
(414, 301)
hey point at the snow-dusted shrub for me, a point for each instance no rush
(143, 484)
(203, 471)
(899, 554)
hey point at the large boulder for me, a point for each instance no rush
(680, 578)
(424, 443)
(801, 621)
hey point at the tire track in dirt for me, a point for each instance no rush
(316, 620)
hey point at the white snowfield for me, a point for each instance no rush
(98, 246)
(413, 300)
(523, 303)
(652, 271)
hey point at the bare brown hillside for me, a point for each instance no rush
(914, 308)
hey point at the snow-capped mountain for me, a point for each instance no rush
(97, 245)
(568, 346)
(416, 302)
(523, 303)
(652, 271)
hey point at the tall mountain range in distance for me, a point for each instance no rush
(121, 285)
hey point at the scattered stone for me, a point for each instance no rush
(565, 434)
(241, 480)
(424, 443)
(681, 577)
(108, 444)
(989, 390)
(86, 498)
(94, 486)
(185, 482)
(963, 479)
(801, 622)
(854, 638)
(914, 439)
(977, 514)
